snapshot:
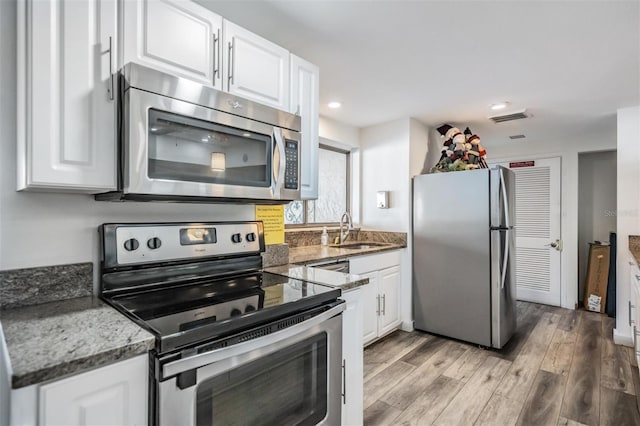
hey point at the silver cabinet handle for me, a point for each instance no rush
(378, 310)
(230, 64)
(384, 304)
(111, 88)
(216, 58)
(637, 277)
(344, 381)
(631, 321)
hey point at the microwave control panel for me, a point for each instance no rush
(291, 171)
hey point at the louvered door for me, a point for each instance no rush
(538, 245)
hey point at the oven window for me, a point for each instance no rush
(187, 149)
(285, 388)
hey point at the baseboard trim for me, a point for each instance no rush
(406, 326)
(622, 338)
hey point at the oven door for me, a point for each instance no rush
(290, 377)
(176, 148)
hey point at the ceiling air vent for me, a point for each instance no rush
(518, 115)
(517, 137)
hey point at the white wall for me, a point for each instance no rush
(596, 205)
(334, 130)
(38, 229)
(568, 151)
(392, 153)
(628, 215)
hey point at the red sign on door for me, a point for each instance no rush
(522, 164)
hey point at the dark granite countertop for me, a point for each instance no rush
(52, 340)
(319, 276)
(308, 254)
(634, 247)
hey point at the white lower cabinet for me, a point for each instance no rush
(352, 358)
(381, 297)
(634, 307)
(113, 395)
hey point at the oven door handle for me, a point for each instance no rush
(278, 173)
(200, 360)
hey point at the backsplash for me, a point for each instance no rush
(301, 238)
(275, 255)
(33, 286)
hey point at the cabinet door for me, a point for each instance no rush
(390, 293)
(257, 69)
(305, 89)
(66, 99)
(352, 358)
(371, 308)
(179, 37)
(112, 395)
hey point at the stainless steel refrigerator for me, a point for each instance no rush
(464, 255)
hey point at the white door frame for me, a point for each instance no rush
(569, 254)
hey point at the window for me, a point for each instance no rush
(333, 191)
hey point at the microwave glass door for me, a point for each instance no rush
(192, 150)
(288, 387)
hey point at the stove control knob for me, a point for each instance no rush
(249, 308)
(154, 243)
(251, 237)
(235, 312)
(131, 244)
(236, 238)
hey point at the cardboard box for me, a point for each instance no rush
(595, 296)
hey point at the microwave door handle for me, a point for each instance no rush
(278, 175)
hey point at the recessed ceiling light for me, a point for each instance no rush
(334, 105)
(499, 105)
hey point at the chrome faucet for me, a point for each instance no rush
(345, 220)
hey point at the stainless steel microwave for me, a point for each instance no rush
(183, 141)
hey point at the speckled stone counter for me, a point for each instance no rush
(32, 286)
(307, 254)
(52, 340)
(634, 247)
(319, 276)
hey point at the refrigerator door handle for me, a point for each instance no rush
(505, 200)
(505, 258)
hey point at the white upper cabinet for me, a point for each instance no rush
(305, 97)
(256, 68)
(176, 36)
(66, 100)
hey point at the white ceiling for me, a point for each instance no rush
(570, 63)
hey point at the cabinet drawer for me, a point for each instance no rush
(374, 262)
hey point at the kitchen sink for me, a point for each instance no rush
(360, 246)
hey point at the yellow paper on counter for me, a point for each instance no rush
(272, 218)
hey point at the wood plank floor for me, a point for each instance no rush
(560, 368)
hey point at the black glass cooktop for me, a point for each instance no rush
(184, 315)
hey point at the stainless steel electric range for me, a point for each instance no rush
(234, 345)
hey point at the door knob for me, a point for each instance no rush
(557, 244)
